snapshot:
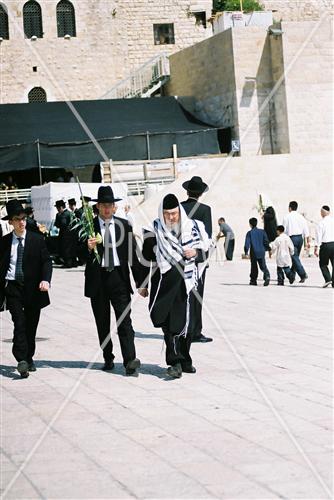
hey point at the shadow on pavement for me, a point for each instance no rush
(145, 369)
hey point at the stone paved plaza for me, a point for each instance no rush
(253, 423)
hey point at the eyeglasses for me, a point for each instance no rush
(19, 219)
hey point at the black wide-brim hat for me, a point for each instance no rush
(105, 195)
(60, 203)
(14, 208)
(195, 185)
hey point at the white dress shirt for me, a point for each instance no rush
(325, 231)
(13, 255)
(284, 249)
(111, 223)
(295, 224)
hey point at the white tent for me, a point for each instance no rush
(43, 198)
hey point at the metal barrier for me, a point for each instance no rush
(12, 194)
(144, 81)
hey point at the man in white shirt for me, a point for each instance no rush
(296, 227)
(325, 240)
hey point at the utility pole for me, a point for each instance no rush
(241, 6)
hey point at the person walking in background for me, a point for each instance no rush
(25, 276)
(296, 227)
(67, 238)
(226, 232)
(270, 223)
(195, 187)
(257, 243)
(284, 248)
(325, 241)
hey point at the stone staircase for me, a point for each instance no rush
(144, 81)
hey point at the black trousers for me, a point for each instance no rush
(281, 271)
(177, 349)
(114, 291)
(229, 249)
(25, 319)
(254, 268)
(326, 255)
(197, 300)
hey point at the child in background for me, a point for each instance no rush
(283, 246)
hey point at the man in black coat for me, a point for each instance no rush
(25, 276)
(170, 251)
(107, 280)
(67, 238)
(198, 211)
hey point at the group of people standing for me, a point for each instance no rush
(170, 269)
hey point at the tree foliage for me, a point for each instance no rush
(247, 5)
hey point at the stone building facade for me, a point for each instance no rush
(297, 10)
(113, 38)
(273, 92)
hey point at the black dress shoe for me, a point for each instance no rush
(23, 369)
(302, 280)
(132, 366)
(108, 365)
(189, 369)
(253, 283)
(201, 338)
(32, 367)
(175, 371)
(266, 283)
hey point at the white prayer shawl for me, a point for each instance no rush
(170, 248)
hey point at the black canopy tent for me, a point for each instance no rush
(52, 134)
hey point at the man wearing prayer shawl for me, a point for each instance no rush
(172, 248)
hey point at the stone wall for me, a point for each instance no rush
(297, 10)
(236, 183)
(113, 38)
(206, 72)
(274, 91)
(308, 61)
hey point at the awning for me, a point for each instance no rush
(57, 134)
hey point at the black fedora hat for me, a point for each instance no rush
(195, 185)
(72, 201)
(87, 199)
(105, 195)
(60, 203)
(14, 208)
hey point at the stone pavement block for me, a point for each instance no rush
(79, 484)
(208, 435)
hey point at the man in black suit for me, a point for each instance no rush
(107, 279)
(67, 237)
(25, 276)
(196, 210)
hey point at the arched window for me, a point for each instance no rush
(37, 94)
(65, 19)
(32, 19)
(4, 32)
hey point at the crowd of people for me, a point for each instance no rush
(170, 269)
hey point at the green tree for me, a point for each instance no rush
(247, 5)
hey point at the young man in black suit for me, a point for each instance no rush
(196, 210)
(108, 281)
(25, 276)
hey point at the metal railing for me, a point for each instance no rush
(143, 81)
(12, 194)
